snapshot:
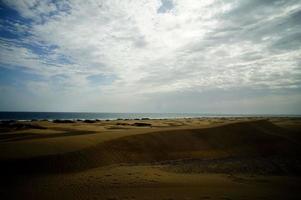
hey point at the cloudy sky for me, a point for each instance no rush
(205, 56)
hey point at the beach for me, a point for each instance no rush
(183, 158)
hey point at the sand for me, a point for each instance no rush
(207, 158)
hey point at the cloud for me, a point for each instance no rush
(152, 47)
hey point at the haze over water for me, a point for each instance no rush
(108, 116)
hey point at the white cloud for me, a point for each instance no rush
(195, 46)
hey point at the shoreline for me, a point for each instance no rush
(148, 118)
(77, 116)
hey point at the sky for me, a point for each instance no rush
(191, 56)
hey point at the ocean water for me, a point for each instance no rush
(100, 116)
(105, 116)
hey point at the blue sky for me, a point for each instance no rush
(215, 56)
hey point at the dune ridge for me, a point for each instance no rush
(258, 140)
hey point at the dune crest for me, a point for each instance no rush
(253, 139)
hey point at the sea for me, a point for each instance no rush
(112, 116)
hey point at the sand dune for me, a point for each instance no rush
(253, 139)
(167, 159)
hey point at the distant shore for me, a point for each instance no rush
(82, 116)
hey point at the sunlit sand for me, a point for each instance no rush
(217, 158)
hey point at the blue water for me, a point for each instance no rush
(84, 115)
(104, 116)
